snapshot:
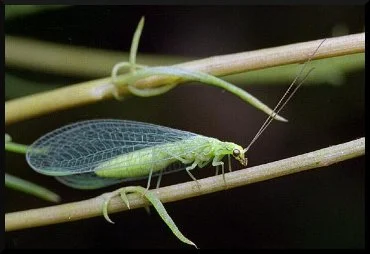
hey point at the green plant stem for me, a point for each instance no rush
(270, 57)
(8, 138)
(14, 147)
(71, 61)
(30, 188)
(18, 184)
(101, 89)
(93, 207)
(330, 71)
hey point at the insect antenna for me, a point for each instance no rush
(283, 101)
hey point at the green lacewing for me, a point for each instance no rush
(97, 153)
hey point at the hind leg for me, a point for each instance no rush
(159, 179)
(216, 163)
(191, 167)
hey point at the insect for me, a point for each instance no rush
(97, 153)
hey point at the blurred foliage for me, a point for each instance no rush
(18, 87)
(14, 11)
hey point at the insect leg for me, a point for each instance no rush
(147, 208)
(217, 162)
(179, 158)
(192, 166)
(229, 160)
(159, 179)
(187, 161)
(151, 171)
(149, 178)
(203, 163)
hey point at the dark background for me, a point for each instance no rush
(321, 208)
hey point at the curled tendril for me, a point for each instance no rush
(176, 74)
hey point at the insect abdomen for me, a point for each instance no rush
(141, 162)
(134, 164)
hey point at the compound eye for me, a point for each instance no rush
(236, 153)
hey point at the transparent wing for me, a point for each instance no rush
(87, 181)
(90, 180)
(80, 147)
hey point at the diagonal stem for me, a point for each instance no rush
(101, 89)
(93, 207)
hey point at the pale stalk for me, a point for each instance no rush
(93, 207)
(101, 89)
